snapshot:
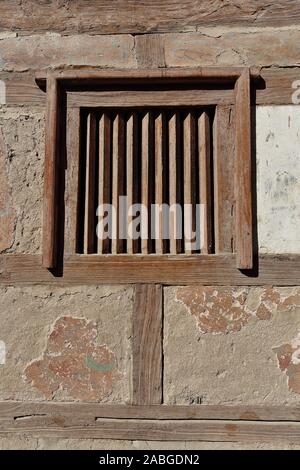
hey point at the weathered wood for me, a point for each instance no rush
(91, 411)
(278, 270)
(106, 17)
(72, 181)
(21, 89)
(118, 180)
(145, 98)
(84, 426)
(188, 171)
(111, 76)
(223, 161)
(173, 183)
(51, 176)
(90, 186)
(242, 174)
(147, 345)
(104, 176)
(132, 177)
(150, 50)
(189, 180)
(204, 151)
(159, 182)
(145, 183)
(276, 89)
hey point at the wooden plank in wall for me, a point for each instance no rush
(152, 430)
(204, 153)
(224, 156)
(242, 174)
(277, 270)
(89, 412)
(72, 180)
(276, 89)
(51, 176)
(147, 345)
(108, 17)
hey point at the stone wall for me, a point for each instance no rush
(224, 345)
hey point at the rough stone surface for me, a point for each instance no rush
(52, 50)
(66, 343)
(232, 47)
(237, 365)
(7, 212)
(23, 135)
(278, 178)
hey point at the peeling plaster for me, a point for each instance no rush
(228, 309)
(288, 356)
(74, 363)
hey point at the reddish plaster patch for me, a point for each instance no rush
(73, 363)
(228, 309)
(288, 356)
(7, 212)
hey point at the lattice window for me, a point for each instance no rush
(155, 137)
(153, 167)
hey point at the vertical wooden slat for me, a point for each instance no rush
(189, 180)
(118, 177)
(72, 180)
(104, 194)
(129, 179)
(145, 182)
(223, 163)
(131, 175)
(50, 208)
(147, 345)
(205, 180)
(173, 182)
(90, 186)
(159, 170)
(243, 187)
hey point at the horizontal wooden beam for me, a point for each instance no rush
(155, 422)
(107, 17)
(70, 77)
(91, 411)
(145, 98)
(280, 270)
(275, 89)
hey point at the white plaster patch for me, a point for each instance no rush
(278, 178)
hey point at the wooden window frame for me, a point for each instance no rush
(57, 83)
